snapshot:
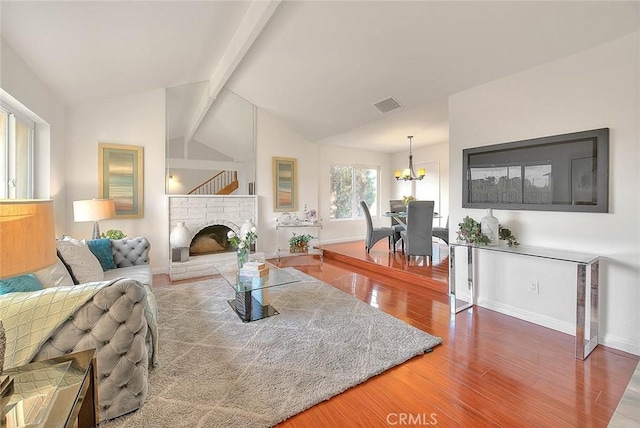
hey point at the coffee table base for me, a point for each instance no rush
(250, 309)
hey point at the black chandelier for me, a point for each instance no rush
(409, 174)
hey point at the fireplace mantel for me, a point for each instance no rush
(200, 211)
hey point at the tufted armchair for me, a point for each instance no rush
(119, 321)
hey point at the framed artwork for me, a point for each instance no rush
(121, 176)
(285, 196)
(583, 181)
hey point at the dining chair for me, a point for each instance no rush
(417, 237)
(374, 234)
(442, 232)
(396, 206)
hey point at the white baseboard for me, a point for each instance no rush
(621, 344)
(529, 316)
(558, 325)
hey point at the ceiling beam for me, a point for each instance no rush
(257, 16)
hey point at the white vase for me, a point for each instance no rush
(180, 236)
(489, 226)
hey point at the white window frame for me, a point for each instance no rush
(8, 169)
(355, 204)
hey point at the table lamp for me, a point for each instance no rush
(94, 210)
(27, 244)
(27, 236)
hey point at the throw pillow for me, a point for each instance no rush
(83, 264)
(20, 283)
(101, 248)
(54, 276)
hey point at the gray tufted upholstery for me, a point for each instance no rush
(113, 322)
(130, 251)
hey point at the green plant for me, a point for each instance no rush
(300, 241)
(469, 231)
(113, 234)
(239, 243)
(407, 199)
(506, 235)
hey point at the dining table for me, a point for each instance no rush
(401, 217)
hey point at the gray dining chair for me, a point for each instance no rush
(374, 234)
(442, 232)
(417, 238)
(396, 206)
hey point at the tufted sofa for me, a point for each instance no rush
(119, 321)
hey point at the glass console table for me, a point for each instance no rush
(586, 299)
(251, 302)
(299, 228)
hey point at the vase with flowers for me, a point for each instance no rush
(242, 244)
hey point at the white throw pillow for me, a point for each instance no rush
(84, 265)
(54, 276)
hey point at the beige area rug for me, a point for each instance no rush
(216, 371)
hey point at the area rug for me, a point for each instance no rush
(216, 371)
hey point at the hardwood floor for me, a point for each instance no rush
(491, 370)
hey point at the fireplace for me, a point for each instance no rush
(209, 218)
(210, 240)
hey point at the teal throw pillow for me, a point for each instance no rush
(101, 248)
(20, 283)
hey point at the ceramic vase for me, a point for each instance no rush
(489, 226)
(180, 236)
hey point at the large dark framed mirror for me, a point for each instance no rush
(216, 157)
(568, 172)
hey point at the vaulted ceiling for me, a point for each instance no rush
(320, 66)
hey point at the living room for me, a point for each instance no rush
(593, 87)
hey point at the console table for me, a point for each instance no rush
(295, 227)
(586, 304)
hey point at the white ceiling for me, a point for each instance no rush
(320, 66)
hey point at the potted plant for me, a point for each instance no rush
(299, 243)
(113, 234)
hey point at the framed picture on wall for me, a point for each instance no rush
(121, 178)
(285, 172)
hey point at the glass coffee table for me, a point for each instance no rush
(252, 293)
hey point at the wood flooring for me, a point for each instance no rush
(492, 370)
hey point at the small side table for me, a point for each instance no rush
(58, 392)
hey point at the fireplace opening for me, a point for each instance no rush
(210, 240)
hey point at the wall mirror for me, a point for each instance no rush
(219, 158)
(568, 172)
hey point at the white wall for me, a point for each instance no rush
(24, 85)
(137, 119)
(274, 138)
(592, 89)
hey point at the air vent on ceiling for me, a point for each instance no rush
(387, 105)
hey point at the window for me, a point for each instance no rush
(16, 155)
(349, 185)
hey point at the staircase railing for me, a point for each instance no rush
(223, 183)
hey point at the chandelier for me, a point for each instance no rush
(409, 173)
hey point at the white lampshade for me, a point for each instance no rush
(27, 236)
(94, 209)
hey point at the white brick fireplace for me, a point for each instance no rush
(200, 211)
